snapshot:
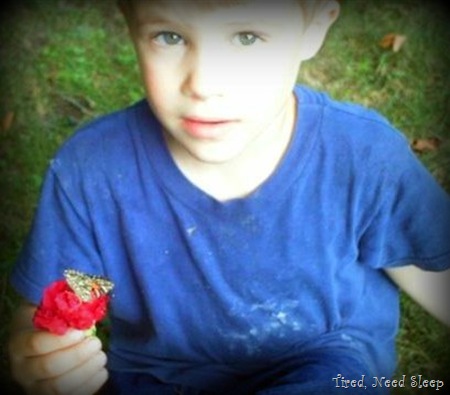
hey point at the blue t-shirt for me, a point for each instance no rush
(207, 289)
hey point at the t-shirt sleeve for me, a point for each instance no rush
(409, 215)
(61, 235)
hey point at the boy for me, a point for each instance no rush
(244, 220)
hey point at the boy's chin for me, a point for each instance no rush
(226, 151)
(214, 156)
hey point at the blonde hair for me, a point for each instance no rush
(309, 6)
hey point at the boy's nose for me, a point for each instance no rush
(205, 74)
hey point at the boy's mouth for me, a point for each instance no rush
(202, 128)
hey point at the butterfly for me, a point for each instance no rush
(86, 286)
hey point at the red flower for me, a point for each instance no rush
(61, 309)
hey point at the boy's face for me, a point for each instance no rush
(218, 78)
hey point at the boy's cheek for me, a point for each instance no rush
(263, 85)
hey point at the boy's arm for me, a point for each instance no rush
(428, 289)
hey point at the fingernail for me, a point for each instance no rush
(76, 335)
(93, 344)
(100, 359)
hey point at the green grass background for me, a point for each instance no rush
(63, 62)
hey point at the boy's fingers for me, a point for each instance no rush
(94, 384)
(85, 379)
(33, 343)
(63, 361)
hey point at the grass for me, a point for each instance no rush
(64, 62)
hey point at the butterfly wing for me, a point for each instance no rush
(86, 286)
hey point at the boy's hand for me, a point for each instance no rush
(44, 363)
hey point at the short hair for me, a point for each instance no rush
(309, 6)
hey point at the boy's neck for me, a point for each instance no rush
(241, 176)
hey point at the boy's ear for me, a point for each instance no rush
(316, 30)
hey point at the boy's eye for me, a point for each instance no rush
(168, 38)
(245, 39)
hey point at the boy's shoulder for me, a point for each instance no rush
(110, 125)
(110, 134)
(357, 137)
(351, 123)
(341, 110)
